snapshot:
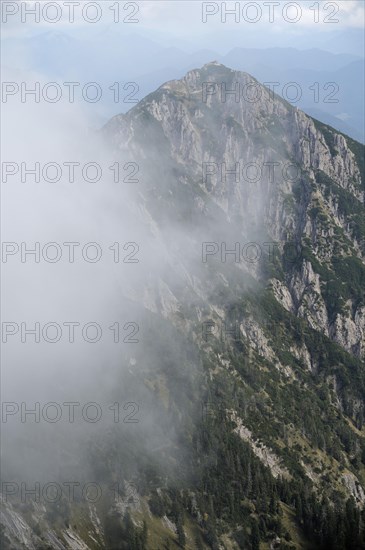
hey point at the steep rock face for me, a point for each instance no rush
(334, 159)
(306, 292)
(296, 178)
(262, 171)
(349, 332)
(269, 338)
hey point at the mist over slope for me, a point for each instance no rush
(249, 369)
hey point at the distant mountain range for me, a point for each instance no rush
(332, 85)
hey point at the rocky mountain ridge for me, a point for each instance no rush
(318, 217)
(257, 309)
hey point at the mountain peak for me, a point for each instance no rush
(193, 82)
(213, 63)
